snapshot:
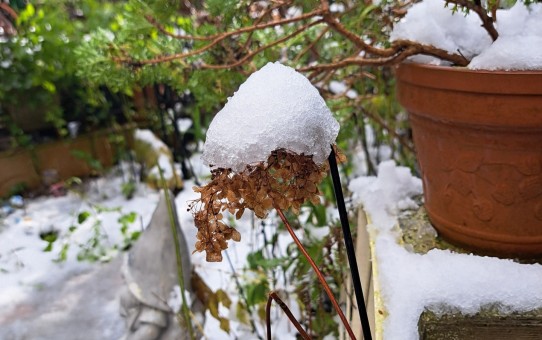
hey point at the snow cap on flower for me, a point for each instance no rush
(276, 107)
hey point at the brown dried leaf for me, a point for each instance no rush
(239, 213)
(213, 257)
(235, 235)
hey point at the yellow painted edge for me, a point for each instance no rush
(380, 310)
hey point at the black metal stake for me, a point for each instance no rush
(341, 206)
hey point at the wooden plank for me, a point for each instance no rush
(363, 255)
(17, 168)
(480, 326)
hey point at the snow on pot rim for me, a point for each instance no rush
(518, 47)
(276, 107)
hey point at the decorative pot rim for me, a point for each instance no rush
(466, 80)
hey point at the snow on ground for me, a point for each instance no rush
(276, 107)
(439, 279)
(519, 46)
(164, 161)
(25, 267)
(42, 299)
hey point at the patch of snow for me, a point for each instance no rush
(275, 108)
(410, 282)
(294, 12)
(26, 268)
(148, 137)
(166, 165)
(519, 46)
(175, 301)
(183, 124)
(430, 22)
(337, 87)
(336, 8)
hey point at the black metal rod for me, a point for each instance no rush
(351, 253)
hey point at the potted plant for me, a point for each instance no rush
(485, 198)
(205, 55)
(476, 131)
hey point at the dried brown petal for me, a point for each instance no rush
(239, 213)
(235, 235)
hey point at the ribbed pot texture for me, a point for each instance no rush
(478, 138)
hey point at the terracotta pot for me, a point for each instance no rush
(478, 136)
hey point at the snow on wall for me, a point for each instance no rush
(439, 279)
(275, 108)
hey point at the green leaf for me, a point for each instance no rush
(135, 235)
(49, 86)
(257, 292)
(82, 217)
(127, 218)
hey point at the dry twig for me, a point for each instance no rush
(370, 56)
(284, 307)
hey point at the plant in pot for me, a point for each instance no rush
(477, 129)
(292, 31)
(482, 190)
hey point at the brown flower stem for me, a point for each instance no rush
(273, 296)
(318, 273)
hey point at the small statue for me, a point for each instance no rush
(150, 273)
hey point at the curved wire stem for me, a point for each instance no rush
(274, 296)
(318, 273)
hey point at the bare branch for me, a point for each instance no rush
(274, 296)
(403, 48)
(217, 39)
(163, 29)
(262, 48)
(311, 45)
(260, 19)
(487, 21)
(366, 54)
(318, 273)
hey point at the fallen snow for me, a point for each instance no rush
(26, 271)
(275, 108)
(148, 137)
(430, 22)
(164, 160)
(519, 46)
(440, 279)
(175, 300)
(340, 88)
(25, 267)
